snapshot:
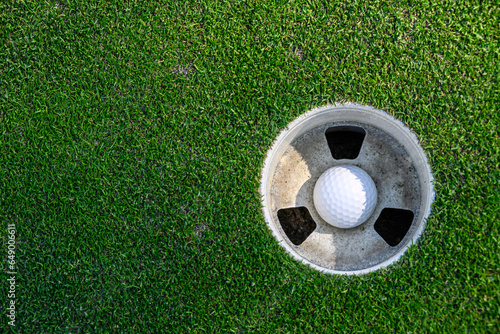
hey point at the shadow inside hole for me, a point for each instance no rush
(345, 141)
(297, 224)
(393, 224)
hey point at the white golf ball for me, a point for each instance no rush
(345, 196)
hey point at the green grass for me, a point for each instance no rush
(132, 136)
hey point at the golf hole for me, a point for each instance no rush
(297, 224)
(393, 224)
(364, 137)
(345, 141)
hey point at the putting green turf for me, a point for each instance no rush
(132, 136)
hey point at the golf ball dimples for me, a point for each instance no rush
(345, 196)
